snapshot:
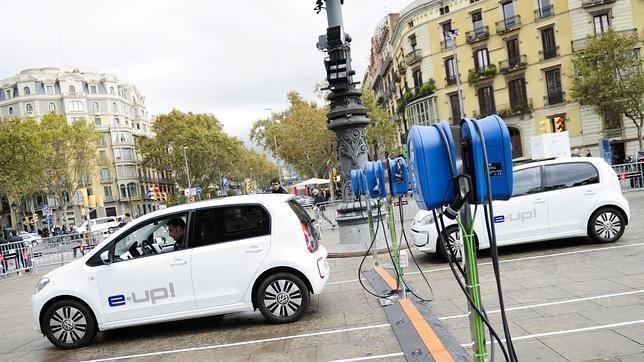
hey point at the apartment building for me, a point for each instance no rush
(511, 58)
(117, 109)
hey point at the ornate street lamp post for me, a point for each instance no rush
(347, 117)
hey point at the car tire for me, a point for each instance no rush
(451, 235)
(282, 298)
(606, 225)
(69, 324)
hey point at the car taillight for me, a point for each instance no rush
(311, 244)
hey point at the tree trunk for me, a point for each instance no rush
(639, 136)
(64, 215)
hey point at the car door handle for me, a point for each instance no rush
(590, 192)
(539, 201)
(254, 249)
(177, 262)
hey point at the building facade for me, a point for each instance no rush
(117, 110)
(511, 58)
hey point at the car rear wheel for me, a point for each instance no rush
(282, 298)
(454, 241)
(69, 324)
(606, 225)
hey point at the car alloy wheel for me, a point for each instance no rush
(282, 298)
(454, 241)
(69, 324)
(606, 225)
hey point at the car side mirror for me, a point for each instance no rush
(105, 257)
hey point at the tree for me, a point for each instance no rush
(209, 151)
(301, 135)
(381, 132)
(21, 158)
(69, 159)
(608, 76)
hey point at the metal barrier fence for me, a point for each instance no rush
(631, 176)
(58, 250)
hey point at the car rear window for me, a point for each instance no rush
(304, 217)
(568, 175)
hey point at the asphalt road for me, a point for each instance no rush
(567, 300)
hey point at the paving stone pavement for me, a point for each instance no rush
(596, 275)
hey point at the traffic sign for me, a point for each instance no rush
(50, 218)
(45, 209)
(198, 190)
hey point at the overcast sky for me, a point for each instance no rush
(230, 58)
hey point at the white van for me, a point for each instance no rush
(104, 224)
(235, 254)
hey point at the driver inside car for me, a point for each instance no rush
(176, 229)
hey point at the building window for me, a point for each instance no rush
(72, 89)
(123, 191)
(450, 71)
(102, 141)
(132, 189)
(447, 35)
(115, 108)
(418, 79)
(49, 89)
(116, 122)
(413, 42)
(481, 58)
(92, 89)
(456, 109)
(111, 90)
(76, 106)
(444, 10)
(26, 90)
(11, 111)
(477, 24)
(548, 42)
(105, 174)
(102, 155)
(97, 121)
(108, 192)
(515, 140)
(553, 83)
(514, 56)
(518, 96)
(8, 93)
(95, 107)
(509, 16)
(29, 108)
(545, 9)
(601, 23)
(486, 101)
(51, 106)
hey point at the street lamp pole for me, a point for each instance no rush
(185, 157)
(279, 170)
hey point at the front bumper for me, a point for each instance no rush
(423, 241)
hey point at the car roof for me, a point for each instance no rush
(594, 160)
(230, 200)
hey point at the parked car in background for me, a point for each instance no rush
(552, 199)
(104, 224)
(304, 200)
(32, 239)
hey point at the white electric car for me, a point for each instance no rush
(214, 257)
(552, 199)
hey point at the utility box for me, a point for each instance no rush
(550, 145)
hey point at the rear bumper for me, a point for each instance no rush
(320, 275)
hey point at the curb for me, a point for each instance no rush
(332, 254)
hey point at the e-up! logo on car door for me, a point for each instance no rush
(520, 216)
(152, 296)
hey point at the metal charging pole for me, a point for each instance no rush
(469, 256)
(396, 248)
(371, 230)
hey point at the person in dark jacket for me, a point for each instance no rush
(276, 187)
(320, 205)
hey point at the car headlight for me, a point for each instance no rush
(41, 284)
(427, 220)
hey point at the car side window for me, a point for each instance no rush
(527, 181)
(227, 223)
(568, 175)
(157, 236)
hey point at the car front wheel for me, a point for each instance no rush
(454, 241)
(606, 225)
(69, 324)
(282, 298)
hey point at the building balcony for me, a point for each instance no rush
(476, 75)
(614, 133)
(508, 24)
(514, 109)
(401, 69)
(554, 99)
(512, 64)
(109, 198)
(413, 57)
(477, 35)
(107, 180)
(591, 3)
(450, 80)
(447, 44)
(544, 12)
(581, 43)
(545, 54)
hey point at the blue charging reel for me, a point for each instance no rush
(375, 179)
(398, 176)
(493, 132)
(430, 169)
(357, 182)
